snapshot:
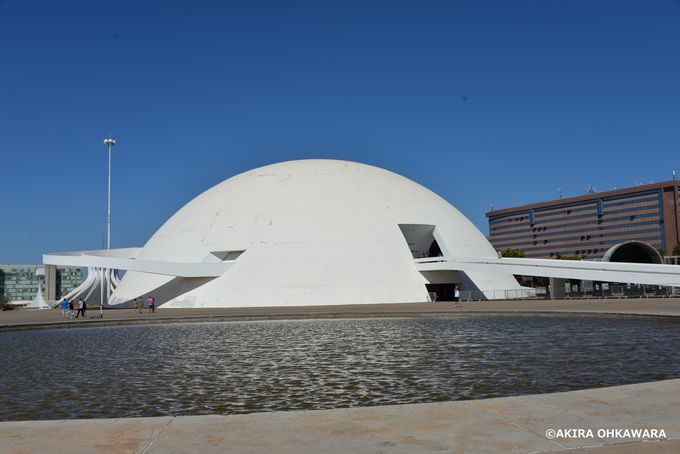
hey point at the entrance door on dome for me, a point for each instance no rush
(441, 292)
(420, 239)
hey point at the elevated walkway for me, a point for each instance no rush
(638, 273)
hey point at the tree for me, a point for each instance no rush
(676, 249)
(568, 257)
(516, 253)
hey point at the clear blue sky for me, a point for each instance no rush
(481, 101)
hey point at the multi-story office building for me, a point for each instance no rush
(588, 226)
(20, 282)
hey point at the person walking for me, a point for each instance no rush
(456, 297)
(81, 311)
(151, 302)
(138, 305)
(84, 306)
(64, 308)
(71, 308)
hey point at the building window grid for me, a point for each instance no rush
(593, 221)
(568, 211)
(601, 244)
(21, 283)
(631, 194)
(589, 205)
(608, 204)
(550, 234)
(594, 236)
(584, 216)
(545, 233)
(542, 234)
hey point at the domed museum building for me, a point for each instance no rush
(312, 232)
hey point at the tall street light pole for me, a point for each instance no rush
(103, 272)
(109, 143)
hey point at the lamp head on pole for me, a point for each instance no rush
(109, 142)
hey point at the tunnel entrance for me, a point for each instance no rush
(633, 252)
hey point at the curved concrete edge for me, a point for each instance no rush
(507, 425)
(668, 310)
(323, 316)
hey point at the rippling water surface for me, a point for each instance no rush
(245, 367)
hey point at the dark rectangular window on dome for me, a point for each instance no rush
(227, 255)
(420, 240)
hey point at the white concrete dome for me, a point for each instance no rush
(310, 232)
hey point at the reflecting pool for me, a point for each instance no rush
(244, 367)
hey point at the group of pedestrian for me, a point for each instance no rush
(70, 310)
(150, 303)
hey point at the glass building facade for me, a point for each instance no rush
(589, 225)
(20, 282)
